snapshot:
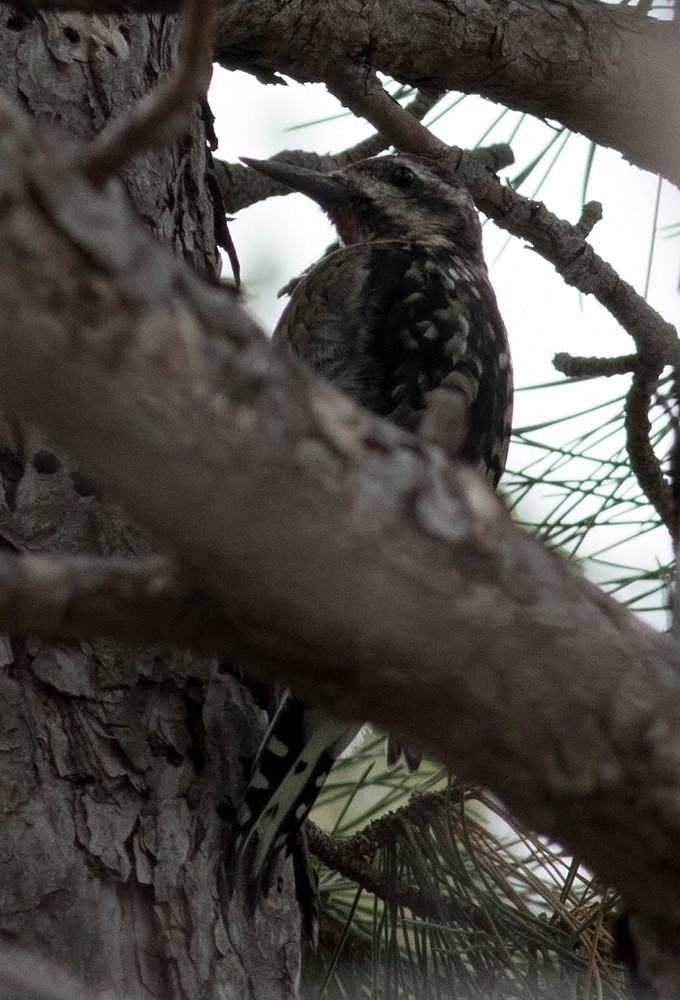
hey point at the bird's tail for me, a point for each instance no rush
(295, 756)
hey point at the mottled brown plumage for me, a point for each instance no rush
(403, 319)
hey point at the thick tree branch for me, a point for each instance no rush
(354, 562)
(600, 69)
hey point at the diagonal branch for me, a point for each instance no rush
(353, 562)
(643, 461)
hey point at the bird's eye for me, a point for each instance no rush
(402, 177)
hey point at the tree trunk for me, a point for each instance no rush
(116, 759)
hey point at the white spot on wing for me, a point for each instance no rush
(277, 746)
(258, 780)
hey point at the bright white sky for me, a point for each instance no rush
(277, 239)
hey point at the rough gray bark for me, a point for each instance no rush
(115, 758)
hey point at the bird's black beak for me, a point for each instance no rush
(324, 189)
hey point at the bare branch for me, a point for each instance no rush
(556, 240)
(643, 461)
(422, 103)
(366, 97)
(671, 409)
(578, 367)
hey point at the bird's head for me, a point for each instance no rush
(395, 197)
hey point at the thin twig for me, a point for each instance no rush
(580, 367)
(159, 117)
(671, 410)
(643, 461)
(591, 214)
(674, 463)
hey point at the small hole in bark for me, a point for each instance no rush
(227, 812)
(11, 472)
(16, 22)
(83, 486)
(71, 35)
(46, 463)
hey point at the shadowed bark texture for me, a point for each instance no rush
(116, 758)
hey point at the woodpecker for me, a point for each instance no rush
(404, 320)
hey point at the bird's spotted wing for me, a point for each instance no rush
(413, 333)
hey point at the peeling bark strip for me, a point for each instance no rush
(354, 563)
